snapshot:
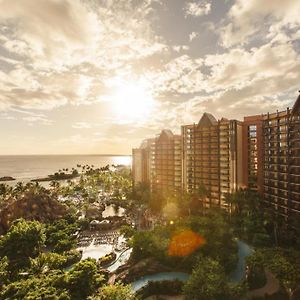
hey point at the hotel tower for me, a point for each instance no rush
(261, 153)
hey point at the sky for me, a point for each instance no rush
(99, 76)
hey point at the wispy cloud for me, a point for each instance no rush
(66, 49)
(193, 35)
(255, 18)
(82, 125)
(61, 63)
(197, 9)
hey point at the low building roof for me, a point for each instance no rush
(94, 222)
(104, 222)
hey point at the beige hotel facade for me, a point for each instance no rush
(261, 152)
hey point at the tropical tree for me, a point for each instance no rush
(24, 239)
(286, 268)
(198, 199)
(141, 193)
(84, 279)
(208, 281)
(116, 292)
(4, 273)
(184, 203)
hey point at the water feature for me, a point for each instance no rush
(237, 275)
(95, 251)
(121, 260)
(143, 281)
(111, 212)
(244, 251)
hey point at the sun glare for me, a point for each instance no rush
(132, 101)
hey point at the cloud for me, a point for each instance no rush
(180, 48)
(278, 66)
(197, 9)
(52, 30)
(60, 52)
(41, 119)
(82, 125)
(248, 19)
(236, 83)
(180, 76)
(6, 116)
(193, 35)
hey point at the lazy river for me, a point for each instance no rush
(143, 281)
(237, 275)
(244, 250)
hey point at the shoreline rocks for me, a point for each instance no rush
(56, 177)
(7, 178)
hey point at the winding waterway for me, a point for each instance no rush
(237, 275)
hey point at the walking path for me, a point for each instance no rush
(270, 288)
(112, 279)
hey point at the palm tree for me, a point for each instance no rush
(199, 197)
(39, 264)
(19, 188)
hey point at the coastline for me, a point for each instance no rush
(25, 168)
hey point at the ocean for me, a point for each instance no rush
(27, 167)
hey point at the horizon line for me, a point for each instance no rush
(107, 154)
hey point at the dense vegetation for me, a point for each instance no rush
(38, 257)
(36, 251)
(276, 242)
(215, 240)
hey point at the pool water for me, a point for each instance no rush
(121, 260)
(143, 281)
(244, 251)
(237, 275)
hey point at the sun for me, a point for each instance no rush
(132, 101)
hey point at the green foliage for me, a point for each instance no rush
(286, 267)
(83, 279)
(249, 218)
(4, 273)
(127, 231)
(24, 240)
(208, 281)
(142, 194)
(143, 245)
(26, 272)
(213, 227)
(256, 275)
(49, 286)
(261, 240)
(220, 243)
(60, 235)
(283, 263)
(47, 261)
(165, 287)
(115, 292)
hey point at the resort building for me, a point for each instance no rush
(261, 153)
(282, 161)
(166, 164)
(212, 158)
(253, 152)
(141, 162)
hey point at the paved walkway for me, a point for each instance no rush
(112, 279)
(270, 288)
